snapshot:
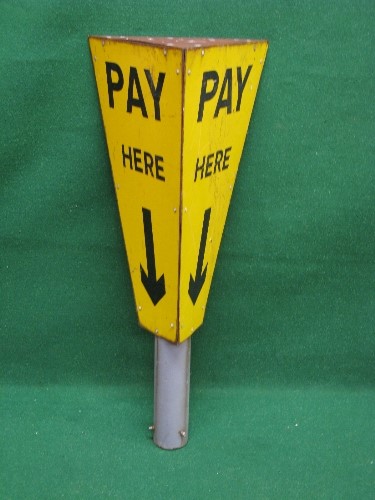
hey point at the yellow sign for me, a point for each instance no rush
(175, 113)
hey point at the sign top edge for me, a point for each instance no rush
(179, 42)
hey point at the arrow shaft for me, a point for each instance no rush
(202, 246)
(149, 241)
(196, 284)
(155, 288)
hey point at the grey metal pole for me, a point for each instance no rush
(171, 393)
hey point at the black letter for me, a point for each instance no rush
(137, 159)
(132, 101)
(156, 92)
(209, 164)
(241, 85)
(225, 103)
(127, 156)
(149, 162)
(218, 158)
(199, 167)
(159, 168)
(206, 96)
(111, 85)
(226, 158)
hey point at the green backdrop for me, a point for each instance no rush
(283, 369)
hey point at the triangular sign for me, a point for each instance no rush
(176, 113)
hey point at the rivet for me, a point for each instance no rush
(185, 209)
(177, 71)
(103, 42)
(189, 71)
(94, 58)
(202, 52)
(183, 434)
(151, 427)
(139, 308)
(175, 210)
(165, 52)
(156, 331)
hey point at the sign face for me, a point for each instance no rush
(176, 113)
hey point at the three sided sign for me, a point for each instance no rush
(176, 113)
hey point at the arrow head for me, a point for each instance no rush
(155, 288)
(195, 285)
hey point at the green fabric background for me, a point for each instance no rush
(283, 369)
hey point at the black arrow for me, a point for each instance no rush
(196, 284)
(155, 288)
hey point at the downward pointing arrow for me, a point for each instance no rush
(155, 288)
(196, 284)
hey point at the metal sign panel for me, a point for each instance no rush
(176, 113)
(220, 87)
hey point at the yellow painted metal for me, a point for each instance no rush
(212, 149)
(176, 113)
(139, 186)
